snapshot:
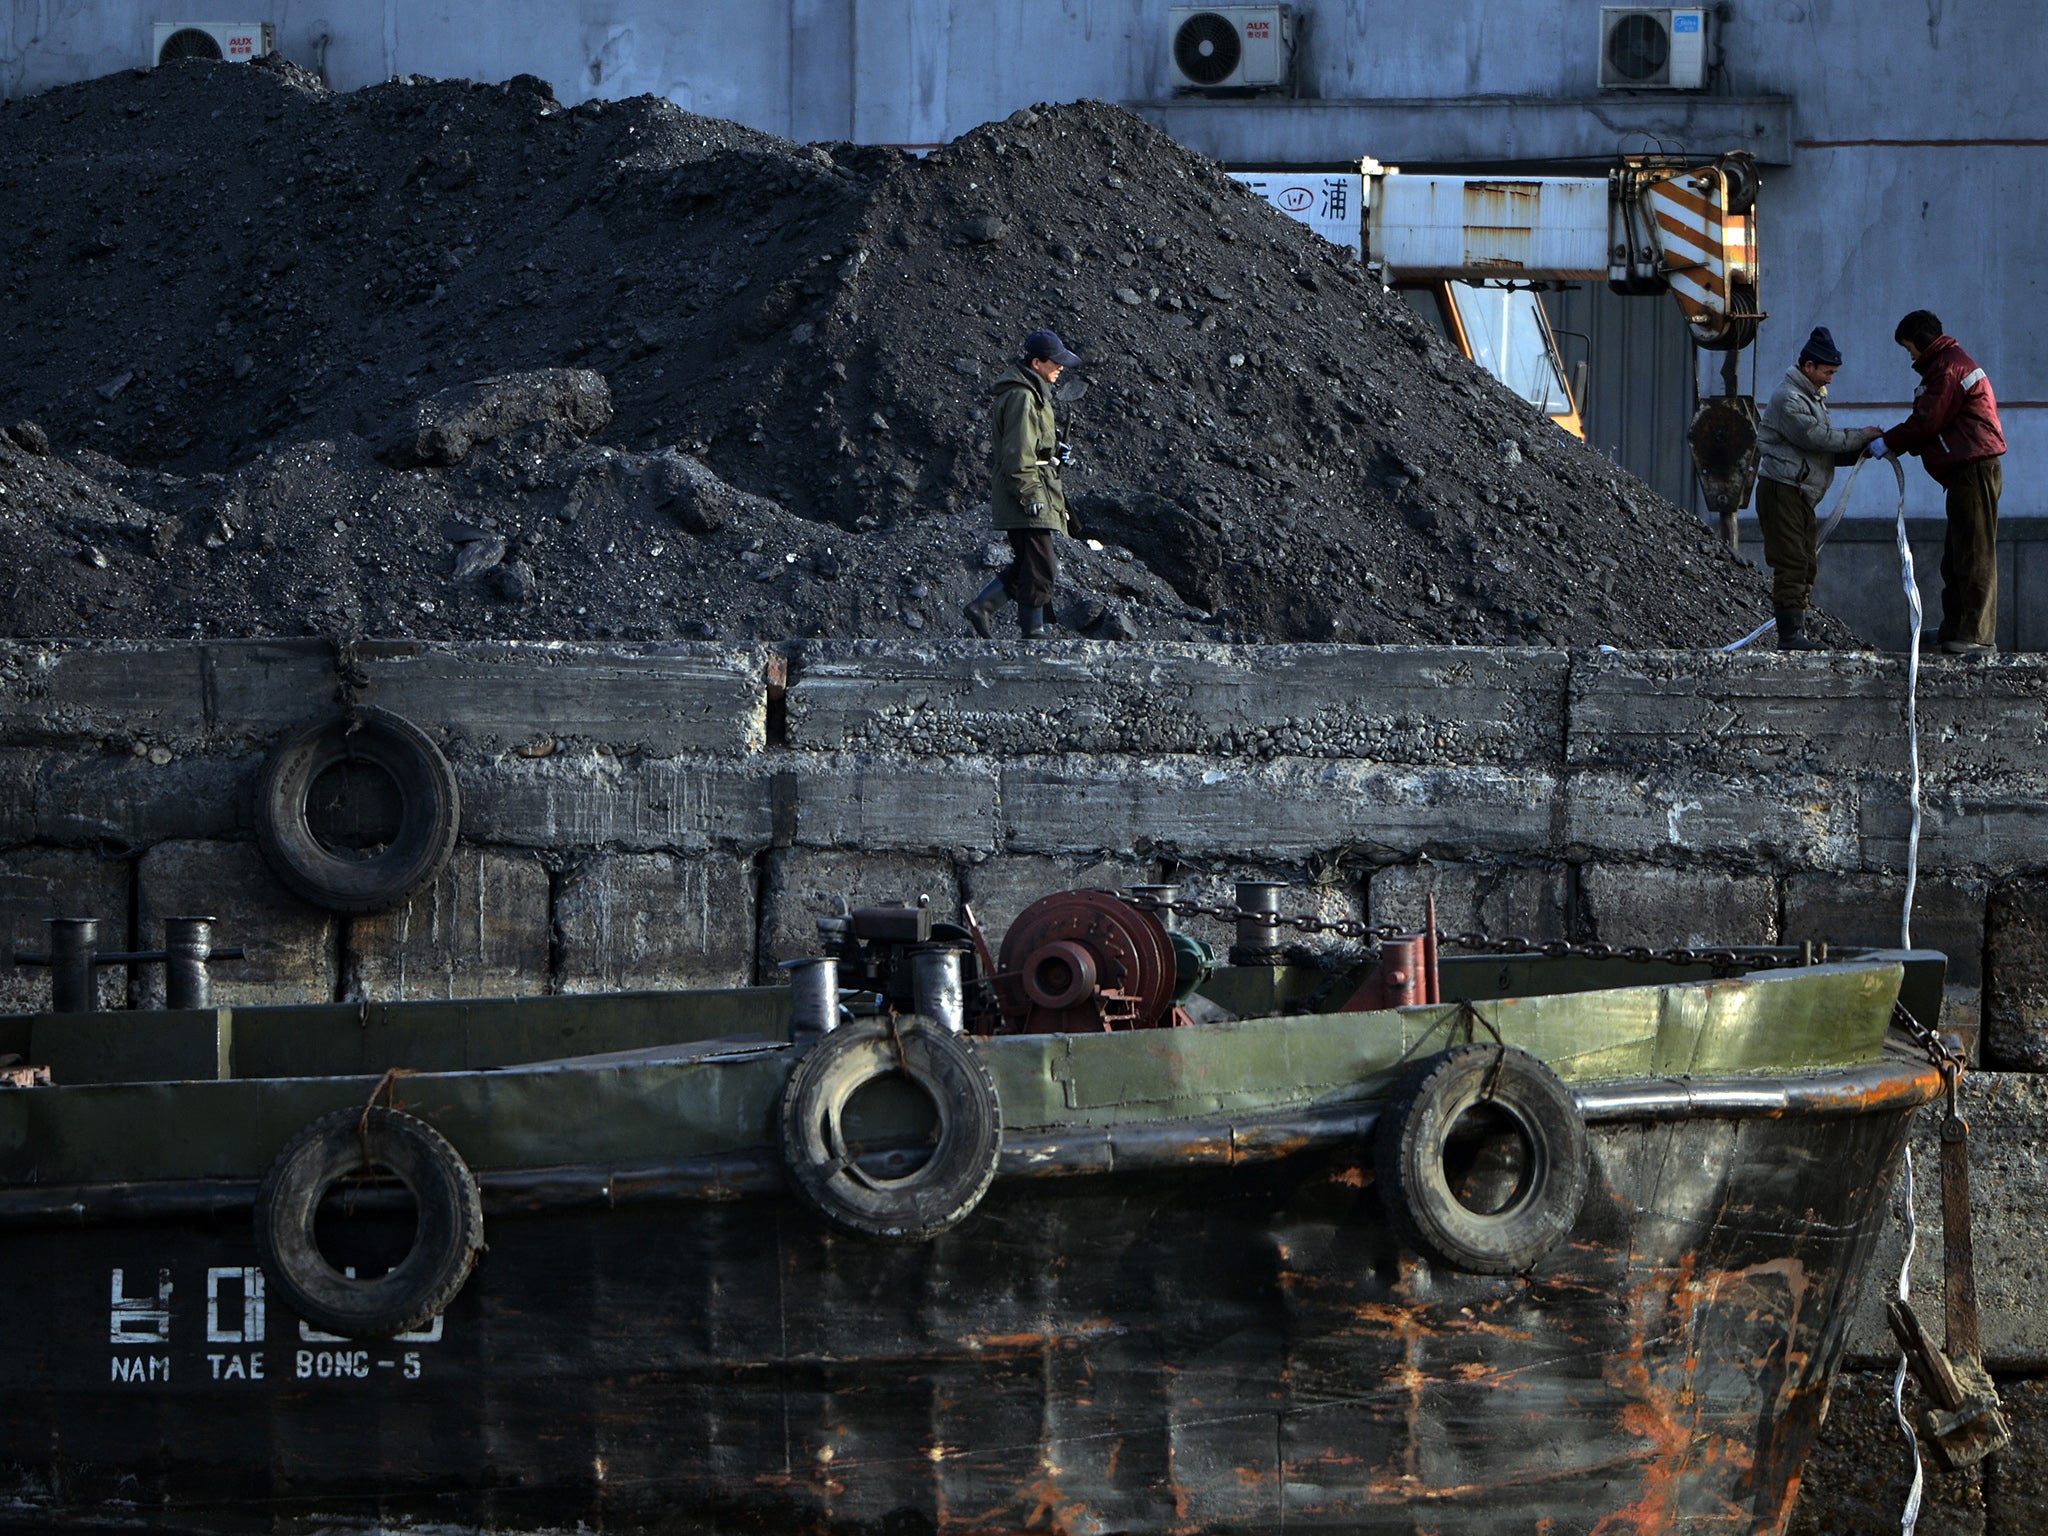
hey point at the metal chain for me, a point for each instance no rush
(1950, 1059)
(1514, 944)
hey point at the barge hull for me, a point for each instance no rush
(1204, 1349)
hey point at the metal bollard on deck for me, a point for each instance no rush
(1258, 925)
(813, 999)
(1158, 900)
(936, 984)
(73, 956)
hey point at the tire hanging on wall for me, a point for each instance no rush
(1439, 1155)
(448, 1235)
(924, 1202)
(429, 806)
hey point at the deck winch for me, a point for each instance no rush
(1073, 961)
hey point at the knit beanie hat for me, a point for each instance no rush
(1820, 348)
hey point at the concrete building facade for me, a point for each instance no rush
(1903, 146)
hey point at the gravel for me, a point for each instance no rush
(449, 360)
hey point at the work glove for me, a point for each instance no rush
(1876, 449)
(1066, 453)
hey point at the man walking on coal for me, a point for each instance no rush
(1954, 428)
(1799, 451)
(1025, 494)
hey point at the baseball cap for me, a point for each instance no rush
(1048, 346)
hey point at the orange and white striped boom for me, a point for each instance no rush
(1689, 230)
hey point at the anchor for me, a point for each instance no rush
(1965, 1424)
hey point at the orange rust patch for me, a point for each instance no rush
(1049, 1339)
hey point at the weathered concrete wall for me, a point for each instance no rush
(648, 816)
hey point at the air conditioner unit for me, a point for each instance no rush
(1231, 47)
(235, 42)
(1653, 48)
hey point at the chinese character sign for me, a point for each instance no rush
(1326, 202)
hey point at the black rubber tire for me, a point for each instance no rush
(962, 1165)
(430, 814)
(450, 1230)
(1414, 1145)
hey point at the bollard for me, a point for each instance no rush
(188, 946)
(1401, 972)
(814, 999)
(936, 986)
(72, 941)
(1258, 931)
(73, 959)
(1158, 900)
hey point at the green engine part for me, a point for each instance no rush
(1194, 962)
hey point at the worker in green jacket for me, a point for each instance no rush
(1025, 494)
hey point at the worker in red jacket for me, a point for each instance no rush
(1954, 428)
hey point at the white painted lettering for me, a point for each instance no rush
(143, 1319)
(247, 1318)
(431, 1334)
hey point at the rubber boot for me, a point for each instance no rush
(981, 609)
(1792, 635)
(1030, 622)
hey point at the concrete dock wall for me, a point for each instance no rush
(680, 815)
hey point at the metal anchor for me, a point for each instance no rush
(1965, 1424)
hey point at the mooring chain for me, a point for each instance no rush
(1513, 944)
(1946, 1054)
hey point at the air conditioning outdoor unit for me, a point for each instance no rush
(1231, 47)
(1653, 48)
(236, 42)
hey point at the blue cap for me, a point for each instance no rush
(1820, 348)
(1049, 348)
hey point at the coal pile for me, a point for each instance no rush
(449, 360)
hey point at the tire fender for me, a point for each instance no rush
(449, 1236)
(1481, 1158)
(925, 1202)
(429, 808)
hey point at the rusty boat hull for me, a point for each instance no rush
(1186, 1324)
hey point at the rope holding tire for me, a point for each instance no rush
(1481, 1158)
(391, 862)
(447, 1238)
(948, 1185)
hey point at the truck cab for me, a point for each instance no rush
(1505, 331)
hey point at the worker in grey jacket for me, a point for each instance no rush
(1799, 451)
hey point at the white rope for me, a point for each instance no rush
(1912, 708)
(1834, 521)
(1911, 1517)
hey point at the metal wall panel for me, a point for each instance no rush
(1460, 227)
(1639, 381)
